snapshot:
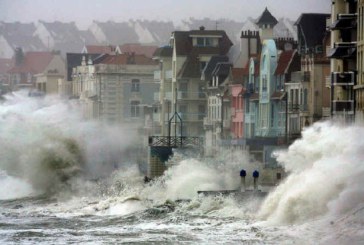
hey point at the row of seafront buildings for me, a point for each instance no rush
(262, 101)
(258, 102)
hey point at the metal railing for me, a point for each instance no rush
(175, 141)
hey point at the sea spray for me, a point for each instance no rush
(326, 175)
(186, 176)
(45, 142)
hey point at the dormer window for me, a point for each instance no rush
(206, 42)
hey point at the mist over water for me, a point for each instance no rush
(45, 142)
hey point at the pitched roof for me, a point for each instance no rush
(191, 68)
(184, 45)
(17, 28)
(100, 49)
(284, 60)
(34, 63)
(66, 36)
(211, 65)
(313, 27)
(127, 59)
(277, 95)
(115, 32)
(138, 49)
(166, 51)
(266, 18)
(75, 59)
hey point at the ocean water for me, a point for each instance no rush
(64, 180)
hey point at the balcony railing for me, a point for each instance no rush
(189, 117)
(343, 107)
(186, 95)
(343, 50)
(344, 21)
(343, 78)
(169, 95)
(178, 141)
(292, 107)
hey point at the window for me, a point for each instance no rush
(201, 93)
(265, 83)
(209, 41)
(205, 42)
(134, 108)
(200, 41)
(135, 85)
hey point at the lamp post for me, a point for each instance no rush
(285, 97)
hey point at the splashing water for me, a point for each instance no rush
(45, 142)
(326, 175)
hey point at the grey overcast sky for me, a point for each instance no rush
(84, 11)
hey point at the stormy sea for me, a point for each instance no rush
(65, 180)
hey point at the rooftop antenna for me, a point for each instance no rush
(216, 24)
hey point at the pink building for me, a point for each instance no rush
(237, 103)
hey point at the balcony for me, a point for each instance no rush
(343, 78)
(343, 50)
(343, 107)
(186, 95)
(292, 107)
(192, 117)
(344, 21)
(169, 95)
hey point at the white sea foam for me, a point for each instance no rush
(45, 141)
(326, 175)
(11, 187)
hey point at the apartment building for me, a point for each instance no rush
(116, 88)
(191, 51)
(346, 81)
